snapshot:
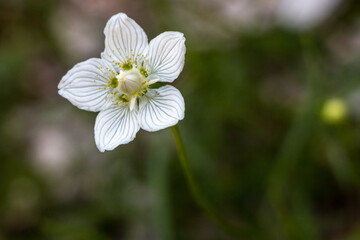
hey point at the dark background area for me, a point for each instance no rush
(272, 126)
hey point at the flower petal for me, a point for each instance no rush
(124, 38)
(84, 84)
(166, 55)
(115, 126)
(161, 108)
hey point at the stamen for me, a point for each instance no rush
(113, 82)
(127, 66)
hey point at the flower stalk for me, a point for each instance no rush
(199, 198)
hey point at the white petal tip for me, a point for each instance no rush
(63, 93)
(180, 34)
(110, 148)
(101, 149)
(123, 15)
(120, 15)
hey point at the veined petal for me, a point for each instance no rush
(115, 126)
(124, 39)
(166, 55)
(84, 84)
(161, 108)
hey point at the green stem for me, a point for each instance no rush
(222, 223)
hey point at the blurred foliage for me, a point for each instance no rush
(259, 146)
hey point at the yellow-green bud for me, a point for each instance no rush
(334, 111)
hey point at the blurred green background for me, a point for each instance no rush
(272, 126)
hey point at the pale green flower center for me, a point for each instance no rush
(130, 82)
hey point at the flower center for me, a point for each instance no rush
(130, 82)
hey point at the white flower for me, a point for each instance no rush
(119, 85)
